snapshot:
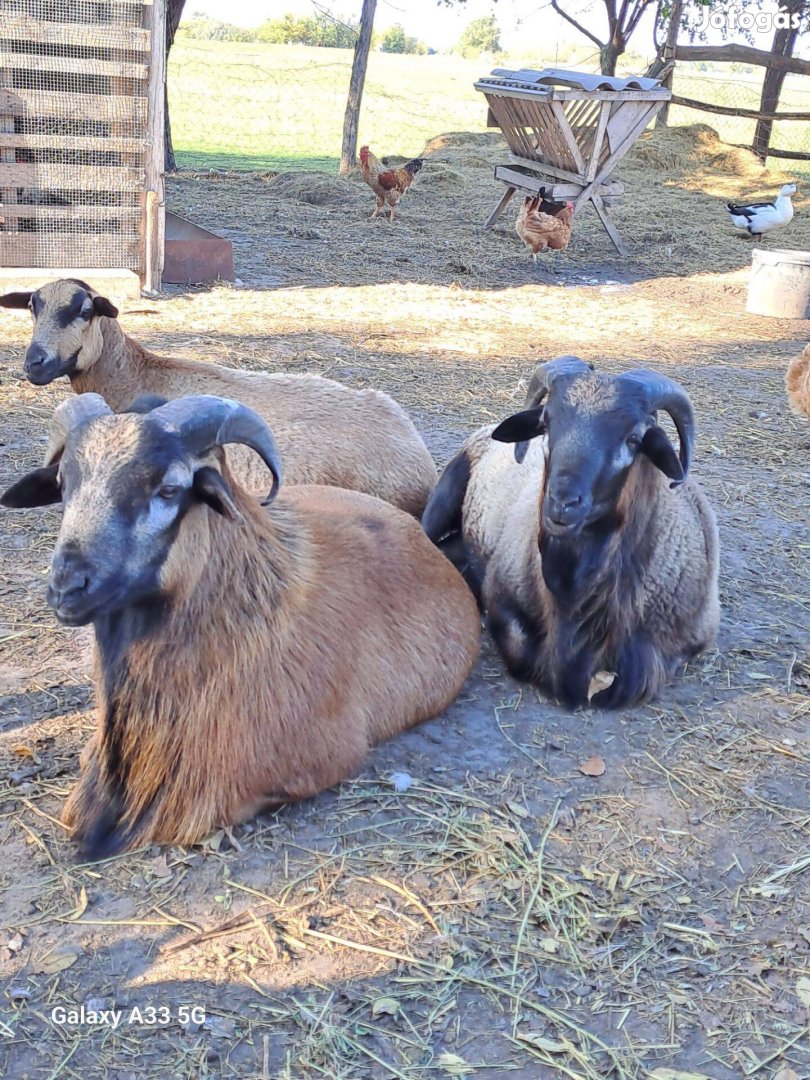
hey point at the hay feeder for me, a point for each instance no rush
(567, 131)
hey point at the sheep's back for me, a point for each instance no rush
(400, 616)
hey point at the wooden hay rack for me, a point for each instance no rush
(81, 135)
(567, 132)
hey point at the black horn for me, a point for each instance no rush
(73, 413)
(540, 384)
(663, 393)
(545, 374)
(205, 421)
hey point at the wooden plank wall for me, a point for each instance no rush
(75, 132)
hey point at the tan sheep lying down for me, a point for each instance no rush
(327, 432)
(798, 383)
(245, 656)
(595, 554)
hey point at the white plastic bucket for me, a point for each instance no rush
(780, 284)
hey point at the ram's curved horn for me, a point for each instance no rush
(205, 421)
(73, 413)
(663, 393)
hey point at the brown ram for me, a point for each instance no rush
(245, 656)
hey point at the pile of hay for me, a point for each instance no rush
(314, 188)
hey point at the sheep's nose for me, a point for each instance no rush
(36, 360)
(70, 578)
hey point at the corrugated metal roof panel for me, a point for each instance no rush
(577, 79)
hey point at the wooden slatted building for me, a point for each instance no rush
(81, 135)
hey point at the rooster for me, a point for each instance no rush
(540, 230)
(387, 184)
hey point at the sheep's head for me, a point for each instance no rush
(597, 426)
(67, 328)
(126, 482)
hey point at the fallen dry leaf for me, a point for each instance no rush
(385, 1006)
(81, 904)
(452, 1064)
(25, 751)
(803, 990)
(676, 1074)
(55, 961)
(160, 868)
(602, 680)
(551, 1046)
(786, 1073)
(594, 766)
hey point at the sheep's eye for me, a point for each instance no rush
(634, 443)
(168, 492)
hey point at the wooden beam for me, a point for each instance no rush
(27, 102)
(57, 177)
(567, 135)
(792, 155)
(523, 180)
(607, 221)
(499, 209)
(596, 151)
(104, 144)
(24, 28)
(728, 110)
(16, 211)
(81, 65)
(552, 170)
(62, 249)
(153, 231)
(742, 54)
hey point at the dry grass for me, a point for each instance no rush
(506, 916)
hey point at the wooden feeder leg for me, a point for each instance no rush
(607, 221)
(499, 209)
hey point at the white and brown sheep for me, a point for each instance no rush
(797, 382)
(245, 656)
(593, 552)
(328, 432)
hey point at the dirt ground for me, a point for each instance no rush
(506, 915)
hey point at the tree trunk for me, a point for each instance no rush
(669, 54)
(784, 41)
(348, 153)
(174, 11)
(608, 55)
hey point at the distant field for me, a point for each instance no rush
(250, 106)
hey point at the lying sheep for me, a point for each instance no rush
(245, 656)
(597, 577)
(328, 433)
(797, 381)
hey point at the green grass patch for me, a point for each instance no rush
(237, 105)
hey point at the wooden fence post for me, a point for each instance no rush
(348, 153)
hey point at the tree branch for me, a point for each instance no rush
(579, 26)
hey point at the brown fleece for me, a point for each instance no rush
(797, 381)
(293, 643)
(327, 433)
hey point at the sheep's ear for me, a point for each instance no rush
(662, 454)
(16, 299)
(521, 429)
(37, 488)
(210, 486)
(102, 306)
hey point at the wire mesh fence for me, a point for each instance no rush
(73, 110)
(236, 105)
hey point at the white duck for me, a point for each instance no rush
(763, 217)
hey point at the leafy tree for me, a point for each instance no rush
(482, 35)
(622, 22)
(395, 40)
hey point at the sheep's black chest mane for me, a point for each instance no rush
(574, 568)
(116, 632)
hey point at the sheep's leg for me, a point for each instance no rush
(518, 639)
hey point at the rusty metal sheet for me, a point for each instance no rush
(194, 255)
